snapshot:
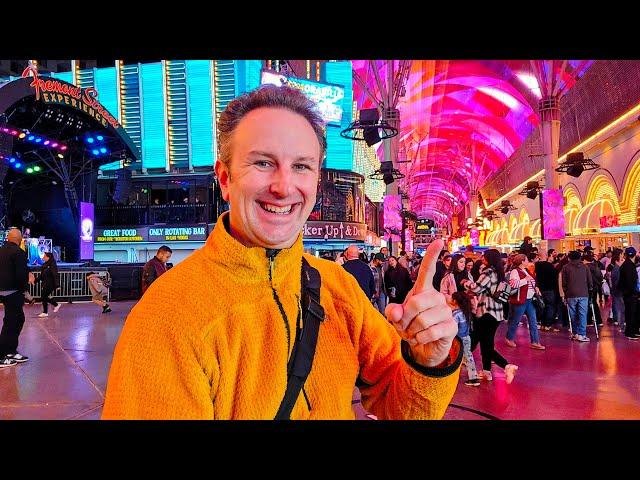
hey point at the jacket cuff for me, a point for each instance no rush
(446, 368)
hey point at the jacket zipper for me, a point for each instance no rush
(272, 255)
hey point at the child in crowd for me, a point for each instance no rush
(98, 290)
(461, 306)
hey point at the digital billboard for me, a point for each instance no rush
(552, 218)
(327, 96)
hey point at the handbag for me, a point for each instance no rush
(538, 302)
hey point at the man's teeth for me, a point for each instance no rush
(274, 209)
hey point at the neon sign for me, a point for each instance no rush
(55, 91)
(327, 97)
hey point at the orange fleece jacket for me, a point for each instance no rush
(207, 341)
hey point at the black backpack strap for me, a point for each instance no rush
(304, 348)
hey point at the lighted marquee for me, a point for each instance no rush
(328, 97)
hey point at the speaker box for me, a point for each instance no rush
(371, 136)
(123, 186)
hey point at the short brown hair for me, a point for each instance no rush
(268, 96)
(518, 259)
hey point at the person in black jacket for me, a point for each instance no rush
(49, 278)
(360, 270)
(155, 267)
(397, 281)
(628, 285)
(596, 276)
(14, 277)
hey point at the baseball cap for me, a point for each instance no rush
(630, 251)
(379, 256)
(587, 248)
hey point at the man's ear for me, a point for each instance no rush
(223, 174)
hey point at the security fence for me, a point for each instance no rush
(73, 284)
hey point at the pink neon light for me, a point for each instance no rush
(54, 145)
(14, 132)
(47, 142)
(63, 147)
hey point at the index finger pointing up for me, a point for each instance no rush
(428, 267)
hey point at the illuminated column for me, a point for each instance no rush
(549, 111)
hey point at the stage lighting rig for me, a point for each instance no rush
(531, 190)
(506, 206)
(575, 164)
(369, 128)
(387, 173)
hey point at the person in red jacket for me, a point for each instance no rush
(521, 303)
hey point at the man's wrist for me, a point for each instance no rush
(448, 366)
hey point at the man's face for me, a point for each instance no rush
(384, 251)
(272, 180)
(164, 256)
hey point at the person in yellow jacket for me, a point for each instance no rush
(212, 337)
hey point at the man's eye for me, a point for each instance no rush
(302, 166)
(262, 163)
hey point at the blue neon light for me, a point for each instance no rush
(103, 150)
(90, 140)
(95, 151)
(100, 138)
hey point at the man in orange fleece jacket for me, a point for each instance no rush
(212, 337)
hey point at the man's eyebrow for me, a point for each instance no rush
(275, 157)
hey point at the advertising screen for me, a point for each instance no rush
(86, 230)
(552, 215)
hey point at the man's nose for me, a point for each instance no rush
(281, 182)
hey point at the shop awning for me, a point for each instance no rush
(518, 233)
(534, 229)
(588, 218)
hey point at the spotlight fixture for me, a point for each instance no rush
(369, 128)
(575, 164)
(532, 190)
(506, 206)
(387, 173)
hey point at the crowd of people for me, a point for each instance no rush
(551, 291)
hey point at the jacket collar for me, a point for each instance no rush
(251, 264)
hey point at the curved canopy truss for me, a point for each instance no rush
(461, 120)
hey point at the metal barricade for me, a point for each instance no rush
(73, 284)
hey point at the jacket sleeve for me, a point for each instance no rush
(388, 283)
(565, 281)
(21, 271)
(590, 285)
(482, 285)
(148, 274)
(393, 386)
(447, 286)
(160, 370)
(372, 283)
(54, 274)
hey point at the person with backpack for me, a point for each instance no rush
(98, 291)
(489, 314)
